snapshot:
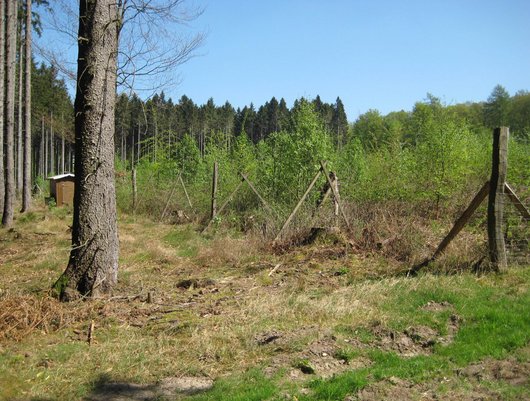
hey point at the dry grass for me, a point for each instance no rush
(210, 328)
(23, 314)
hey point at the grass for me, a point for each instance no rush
(312, 302)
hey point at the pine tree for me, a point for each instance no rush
(497, 109)
(339, 124)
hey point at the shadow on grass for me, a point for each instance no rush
(106, 389)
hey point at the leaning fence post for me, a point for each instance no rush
(293, 213)
(497, 250)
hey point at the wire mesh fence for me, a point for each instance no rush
(516, 232)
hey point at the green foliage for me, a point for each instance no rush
(187, 157)
(518, 163)
(289, 160)
(428, 156)
(371, 130)
(497, 109)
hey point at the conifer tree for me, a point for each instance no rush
(2, 92)
(11, 45)
(26, 176)
(93, 265)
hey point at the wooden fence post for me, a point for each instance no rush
(214, 190)
(497, 250)
(334, 190)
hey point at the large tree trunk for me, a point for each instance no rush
(20, 140)
(11, 55)
(26, 176)
(93, 265)
(2, 83)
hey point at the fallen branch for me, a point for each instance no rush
(274, 269)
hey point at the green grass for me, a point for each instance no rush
(185, 240)
(252, 386)
(212, 330)
(495, 324)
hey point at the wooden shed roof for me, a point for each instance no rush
(61, 176)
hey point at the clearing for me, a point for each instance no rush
(225, 317)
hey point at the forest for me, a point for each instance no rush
(428, 156)
(265, 252)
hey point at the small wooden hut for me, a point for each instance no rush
(62, 189)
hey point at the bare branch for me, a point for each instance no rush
(155, 37)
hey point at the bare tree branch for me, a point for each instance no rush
(155, 37)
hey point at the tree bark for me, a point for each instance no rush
(20, 120)
(52, 147)
(11, 50)
(42, 149)
(62, 155)
(93, 265)
(2, 82)
(46, 149)
(26, 176)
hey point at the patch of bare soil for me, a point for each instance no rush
(434, 306)
(390, 389)
(413, 341)
(394, 389)
(319, 358)
(166, 389)
(509, 370)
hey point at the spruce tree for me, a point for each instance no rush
(93, 265)
(11, 44)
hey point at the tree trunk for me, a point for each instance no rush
(69, 166)
(93, 265)
(62, 154)
(26, 176)
(42, 149)
(138, 144)
(41, 156)
(46, 150)
(11, 50)
(2, 83)
(52, 147)
(19, 116)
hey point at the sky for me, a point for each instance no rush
(373, 54)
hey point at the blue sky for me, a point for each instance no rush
(374, 54)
